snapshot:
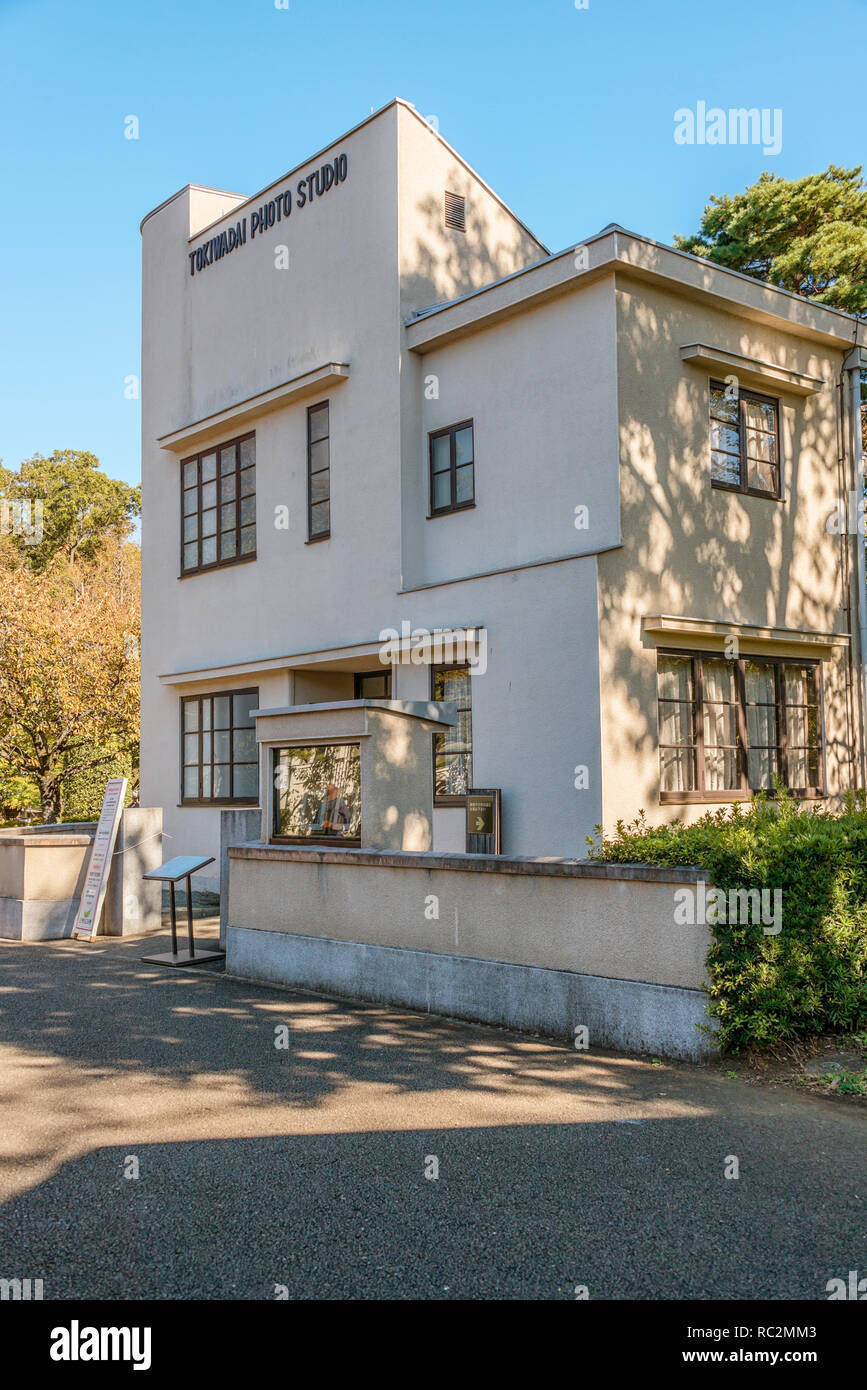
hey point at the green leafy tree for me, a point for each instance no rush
(71, 509)
(808, 235)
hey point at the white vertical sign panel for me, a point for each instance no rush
(96, 881)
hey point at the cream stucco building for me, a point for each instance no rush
(375, 405)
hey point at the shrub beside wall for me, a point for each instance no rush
(812, 976)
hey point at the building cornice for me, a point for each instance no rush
(628, 256)
(667, 628)
(234, 417)
(751, 369)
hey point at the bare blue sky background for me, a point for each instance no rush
(568, 114)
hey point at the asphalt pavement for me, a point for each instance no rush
(183, 1135)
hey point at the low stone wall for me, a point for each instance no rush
(237, 826)
(543, 945)
(42, 872)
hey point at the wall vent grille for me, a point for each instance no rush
(455, 212)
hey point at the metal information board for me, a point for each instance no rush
(483, 820)
(171, 873)
(93, 897)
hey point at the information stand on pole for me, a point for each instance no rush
(171, 873)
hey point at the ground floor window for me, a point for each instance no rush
(731, 727)
(317, 793)
(218, 748)
(373, 685)
(453, 749)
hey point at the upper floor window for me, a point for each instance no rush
(318, 473)
(730, 727)
(453, 749)
(220, 760)
(452, 485)
(744, 441)
(218, 505)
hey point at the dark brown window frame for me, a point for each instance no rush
(745, 793)
(460, 799)
(335, 841)
(237, 558)
(451, 431)
(313, 536)
(743, 487)
(358, 677)
(216, 800)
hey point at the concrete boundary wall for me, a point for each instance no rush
(542, 945)
(43, 868)
(616, 1013)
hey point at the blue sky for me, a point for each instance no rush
(568, 114)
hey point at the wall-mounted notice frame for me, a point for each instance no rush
(483, 820)
(96, 881)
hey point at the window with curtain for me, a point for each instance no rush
(730, 727)
(744, 441)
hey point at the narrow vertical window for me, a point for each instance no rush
(719, 714)
(318, 473)
(763, 735)
(452, 464)
(453, 749)
(677, 735)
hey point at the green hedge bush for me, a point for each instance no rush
(812, 976)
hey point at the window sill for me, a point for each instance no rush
(333, 841)
(450, 511)
(222, 565)
(725, 798)
(314, 540)
(747, 491)
(220, 805)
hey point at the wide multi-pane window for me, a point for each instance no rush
(318, 472)
(218, 737)
(218, 505)
(731, 727)
(744, 441)
(452, 485)
(453, 749)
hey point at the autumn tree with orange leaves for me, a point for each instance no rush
(69, 655)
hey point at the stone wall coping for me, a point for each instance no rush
(470, 863)
(39, 838)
